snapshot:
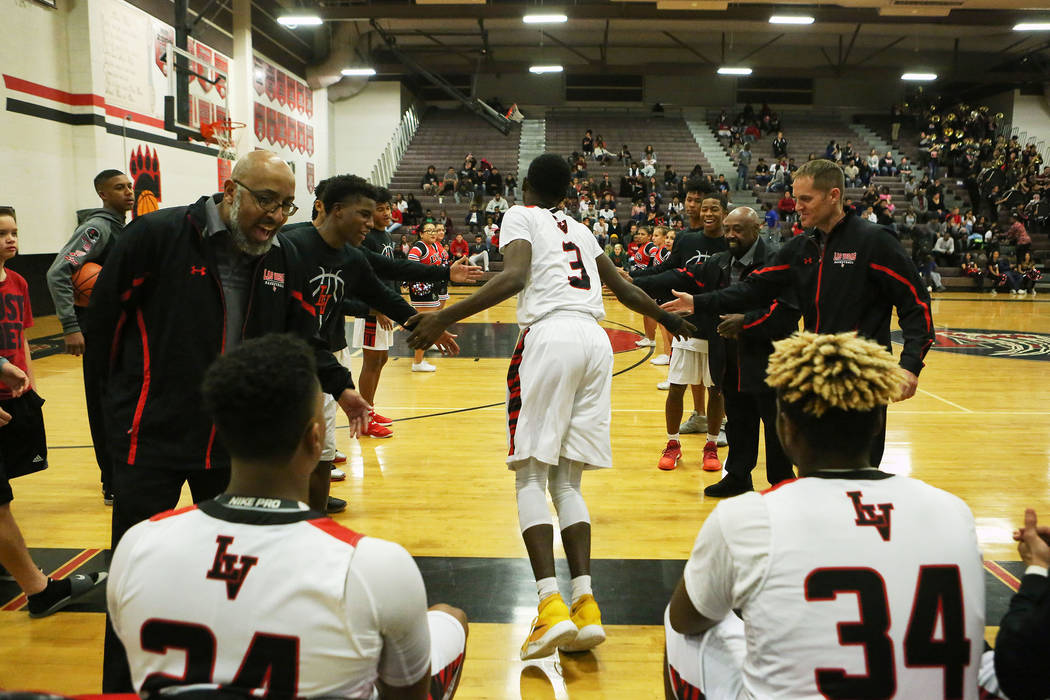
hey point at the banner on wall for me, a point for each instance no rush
(309, 139)
(259, 77)
(223, 64)
(282, 129)
(309, 102)
(301, 133)
(300, 97)
(162, 37)
(271, 82)
(310, 178)
(260, 122)
(282, 88)
(205, 54)
(271, 126)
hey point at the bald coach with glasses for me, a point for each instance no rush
(181, 287)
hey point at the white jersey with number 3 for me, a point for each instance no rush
(564, 274)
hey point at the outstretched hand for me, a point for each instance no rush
(683, 304)
(357, 411)
(447, 344)
(677, 326)
(462, 271)
(425, 330)
(1033, 541)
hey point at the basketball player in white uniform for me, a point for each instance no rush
(847, 582)
(254, 591)
(558, 385)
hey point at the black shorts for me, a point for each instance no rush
(23, 443)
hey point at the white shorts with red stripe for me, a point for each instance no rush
(558, 393)
(369, 335)
(331, 412)
(689, 363)
(707, 666)
(448, 644)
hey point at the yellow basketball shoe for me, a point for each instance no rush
(551, 629)
(588, 620)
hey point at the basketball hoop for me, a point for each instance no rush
(221, 133)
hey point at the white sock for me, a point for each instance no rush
(546, 587)
(676, 437)
(581, 586)
(712, 438)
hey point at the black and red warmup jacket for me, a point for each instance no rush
(847, 280)
(750, 350)
(157, 320)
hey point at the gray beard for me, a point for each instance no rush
(240, 239)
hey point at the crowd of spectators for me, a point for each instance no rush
(475, 180)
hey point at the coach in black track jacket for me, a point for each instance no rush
(847, 274)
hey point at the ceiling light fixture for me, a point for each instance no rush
(920, 77)
(539, 70)
(1032, 27)
(791, 19)
(734, 71)
(544, 19)
(301, 19)
(367, 72)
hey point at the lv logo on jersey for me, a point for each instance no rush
(225, 567)
(866, 514)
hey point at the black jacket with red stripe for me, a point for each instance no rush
(847, 280)
(752, 348)
(157, 320)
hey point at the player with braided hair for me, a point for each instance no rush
(845, 582)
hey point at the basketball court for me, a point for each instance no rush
(979, 427)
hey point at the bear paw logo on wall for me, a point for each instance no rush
(144, 169)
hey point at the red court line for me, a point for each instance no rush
(77, 99)
(1003, 575)
(61, 572)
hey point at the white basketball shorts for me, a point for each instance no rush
(706, 665)
(369, 335)
(689, 363)
(558, 393)
(331, 410)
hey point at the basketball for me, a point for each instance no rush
(84, 281)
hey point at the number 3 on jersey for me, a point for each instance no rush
(583, 280)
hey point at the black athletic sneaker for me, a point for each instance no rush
(61, 593)
(728, 486)
(335, 505)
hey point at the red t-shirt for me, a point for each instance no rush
(459, 248)
(15, 316)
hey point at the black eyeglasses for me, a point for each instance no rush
(268, 202)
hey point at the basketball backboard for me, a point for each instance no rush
(198, 80)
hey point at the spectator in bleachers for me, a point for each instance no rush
(670, 177)
(491, 227)
(413, 210)
(430, 182)
(869, 214)
(786, 207)
(608, 210)
(944, 250)
(722, 185)
(497, 205)
(851, 173)
(910, 219)
(624, 156)
(510, 184)
(904, 168)
(971, 268)
(830, 149)
(600, 228)
(473, 219)
(888, 165)
(1018, 235)
(1029, 273)
(601, 153)
(762, 173)
(466, 188)
(675, 207)
(872, 161)
(638, 210)
(443, 219)
(934, 159)
(930, 276)
(587, 143)
(458, 248)
(778, 181)
(449, 185)
(478, 253)
(999, 270)
(494, 182)
(743, 166)
(619, 256)
(780, 146)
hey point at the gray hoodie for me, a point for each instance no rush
(96, 229)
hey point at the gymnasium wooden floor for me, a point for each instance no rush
(979, 427)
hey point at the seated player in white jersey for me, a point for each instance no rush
(558, 387)
(253, 591)
(847, 582)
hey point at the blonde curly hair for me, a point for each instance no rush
(843, 371)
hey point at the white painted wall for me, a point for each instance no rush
(1032, 115)
(362, 125)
